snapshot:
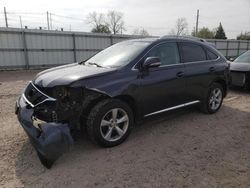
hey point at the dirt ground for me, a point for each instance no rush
(183, 148)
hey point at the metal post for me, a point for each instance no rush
(248, 45)
(197, 23)
(227, 49)
(111, 40)
(74, 46)
(21, 23)
(5, 15)
(48, 19)
(25, 50)
(238, 50)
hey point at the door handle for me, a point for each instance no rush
(180, 74)
(211, 69)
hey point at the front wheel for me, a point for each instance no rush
(213, 100)
(110, 122)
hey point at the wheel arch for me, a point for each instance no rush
(94, 97)
(223, 83)
(130, 101)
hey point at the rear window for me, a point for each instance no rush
(192, 52)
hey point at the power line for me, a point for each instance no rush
(68, 17)
(28, 13)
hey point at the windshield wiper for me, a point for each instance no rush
(91, 63)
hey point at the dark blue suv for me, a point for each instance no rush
(109, 92)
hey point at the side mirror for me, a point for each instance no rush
(231, 59)
(151, 62)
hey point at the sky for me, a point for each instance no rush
(158, 17)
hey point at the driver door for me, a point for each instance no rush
(164, 86)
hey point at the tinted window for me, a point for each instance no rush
(211, 55)
(192, 52)
(167, 52)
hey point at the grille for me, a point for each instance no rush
(34, 96)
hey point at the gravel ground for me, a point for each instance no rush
(183, 148)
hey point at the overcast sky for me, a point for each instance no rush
(158, 17)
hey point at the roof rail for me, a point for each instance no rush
(183, 37)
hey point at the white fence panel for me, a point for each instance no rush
(39, 48)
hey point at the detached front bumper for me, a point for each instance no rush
(50, 140)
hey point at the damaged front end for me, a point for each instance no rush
(53, 137)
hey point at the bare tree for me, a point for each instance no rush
(96, 19)
(141, 32)
(115, 22)
(181, 27)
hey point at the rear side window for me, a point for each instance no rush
(211, 55)
(167, 52)
(192, 52)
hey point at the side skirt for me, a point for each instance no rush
(173, 108)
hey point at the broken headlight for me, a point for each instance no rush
(65, 94)
(61, 92)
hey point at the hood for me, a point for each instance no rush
(64, 75)
(237, 66)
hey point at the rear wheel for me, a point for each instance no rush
(213, 100)
(110, 122)
(246, 82)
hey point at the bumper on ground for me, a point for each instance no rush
(50, 140)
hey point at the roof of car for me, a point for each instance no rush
(174, 37)
(170, 37)
(148, 39)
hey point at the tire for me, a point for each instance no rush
(110, 122)
(209, 107)
(247, 83)
(247, 87)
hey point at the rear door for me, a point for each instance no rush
(200, 68)
(164, 86)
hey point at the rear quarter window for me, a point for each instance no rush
(211, 55)
(192, 52)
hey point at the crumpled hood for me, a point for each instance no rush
(237, 66)
(64, 75)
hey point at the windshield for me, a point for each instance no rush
(118, 55)
(243, 58)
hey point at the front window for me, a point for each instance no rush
(244, 58)
(119, 54)
(167, 52)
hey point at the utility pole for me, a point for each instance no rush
(197, 22)
(21, 23)
(6, 19)
(48, 19)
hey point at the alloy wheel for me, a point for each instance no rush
(114, 124)
(215, 99)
